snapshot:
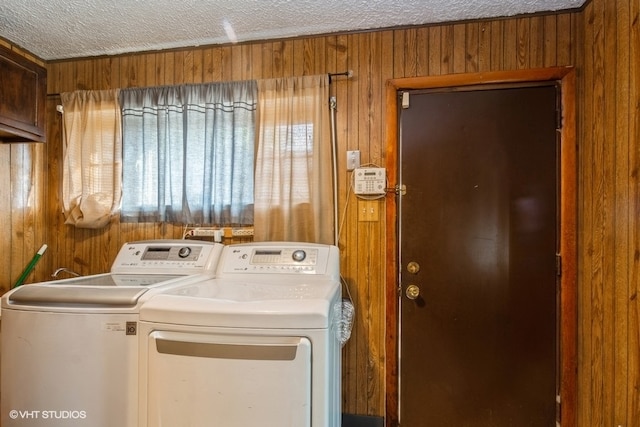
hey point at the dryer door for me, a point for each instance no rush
(204, 380)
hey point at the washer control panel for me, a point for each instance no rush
(166, 256)
(275, 259)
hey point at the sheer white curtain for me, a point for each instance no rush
(189, 153)
(293, 179)
(92, 164)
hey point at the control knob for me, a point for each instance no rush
(184, 252)
(299, 255)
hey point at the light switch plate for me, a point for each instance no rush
(353, 159)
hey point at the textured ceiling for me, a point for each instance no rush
(57, 29)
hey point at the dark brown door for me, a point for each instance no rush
(478, 310)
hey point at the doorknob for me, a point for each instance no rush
(412, 292)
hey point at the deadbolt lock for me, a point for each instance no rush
(413, 267)
(412, 292)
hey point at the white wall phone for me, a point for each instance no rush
(370, 181)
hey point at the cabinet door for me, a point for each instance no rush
(22, 98)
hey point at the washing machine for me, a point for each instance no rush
(70, 347)
(256, 345)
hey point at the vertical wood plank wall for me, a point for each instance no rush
(609, 214)
(602, 41)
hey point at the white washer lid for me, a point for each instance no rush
(239, 303)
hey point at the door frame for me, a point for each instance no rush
(565, 77)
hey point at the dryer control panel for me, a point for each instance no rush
(272, 259)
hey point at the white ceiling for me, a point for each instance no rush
(58, 29)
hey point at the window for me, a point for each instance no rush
(197, 154)
(188, 153)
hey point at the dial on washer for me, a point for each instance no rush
(299, 255)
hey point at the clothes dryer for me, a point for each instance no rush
(70, 347)
(257, 345)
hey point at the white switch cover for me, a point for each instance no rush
(353, 160)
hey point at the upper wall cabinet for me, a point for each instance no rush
(23, 86)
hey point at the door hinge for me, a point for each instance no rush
(558, 107)
(558, 265)
(558, 410)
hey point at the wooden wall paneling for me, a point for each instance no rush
(338, 61)
(150, 70)
(617, 98)
(37, 201)
(207, 65)
(18, 200)
(497, 44)
(339, 90)
(568, 27)
(484, 46)
(586, 218)
(548, 40)
(472, 47)
(410, 52)
(459, 46)
(362, 261)
(397, 55)
(435, 52)
(376, 340)
(287, 53)
(85, 70)
(281, 56)
(633, 400)
(376, 287)
(536, 42)
(354, 267)
(167, 64)
(447, 50)
(5, 217)
(595, 278)
(19, 191)
(522, 46)
(287, 66)
(255, 54)
(198, 66)
(224, 63)
(235, 63)
(386, 74)
(304, 58)
(178, 67)
(247, 63)
(422, 51)
(188, 67)
(287, 59)
(510, 44)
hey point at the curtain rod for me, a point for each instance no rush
(348, 74)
